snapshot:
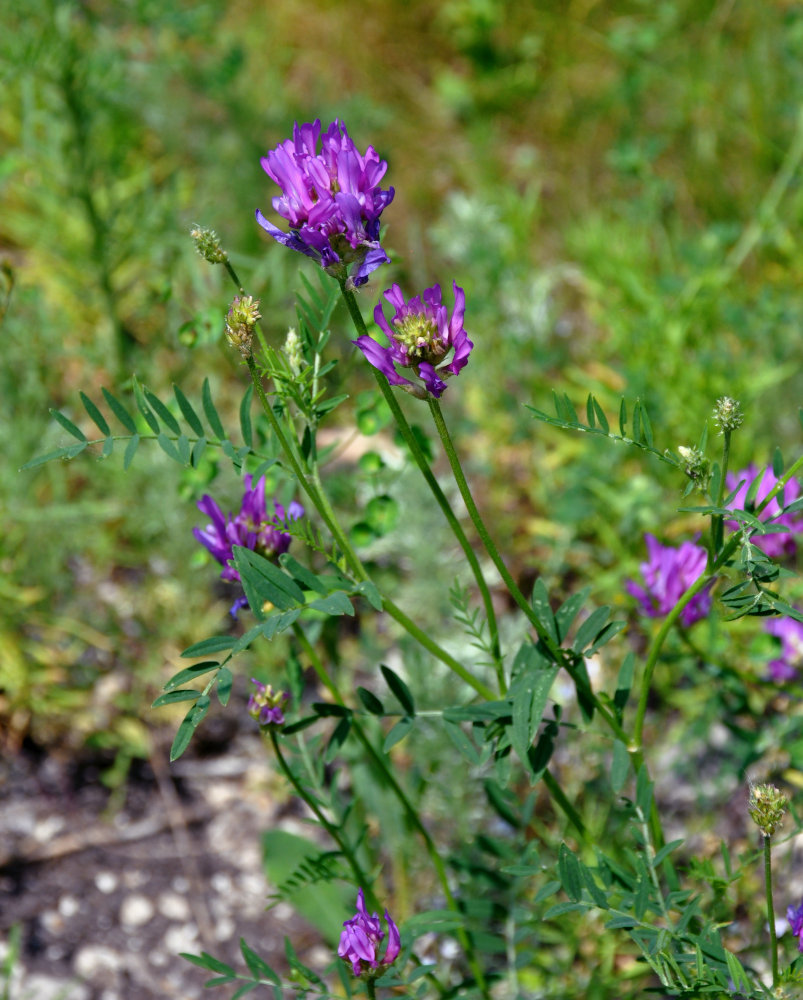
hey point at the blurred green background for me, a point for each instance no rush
(616, 185)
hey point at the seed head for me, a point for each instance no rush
(767, 807)
(728, 414)
(208, 245)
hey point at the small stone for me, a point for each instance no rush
(69, 906)
(180, 938)
(93, 960)
(224, 928)
(106, 882)
(136, 910)
(52, 921)
(49, 988)
(173, 906)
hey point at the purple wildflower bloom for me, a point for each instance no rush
(790, 632)
(361, 936)
(795, 918)
(421, 335)
(253, 528)
(265, 705)
(668, 573)
(776, 544)
(331, 199)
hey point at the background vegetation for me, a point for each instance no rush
(616, 185)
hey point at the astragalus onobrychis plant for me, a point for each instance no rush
(487, 903)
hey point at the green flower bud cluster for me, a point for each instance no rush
(696, 466)
(240, 322)
(728, 413)
(292, 351)
(208, 245)
(767, 807)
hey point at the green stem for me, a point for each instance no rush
(359, 875)
(716, 520)
(398, 791)
(370, 988)
(482, 531)
(560, 797)
(770, 909)
(440, 497)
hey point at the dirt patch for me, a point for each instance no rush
(104, 904)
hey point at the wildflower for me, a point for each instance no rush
(253, 528)
(668, 573)
(728, 414)
(777, 543)
(421, 336)
(795, 918)
(331, 199)
(360, 939)
(767, 807)
(208, 245)
(240, 322)
(790, 632)
(264, 704)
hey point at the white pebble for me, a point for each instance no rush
(136, 910)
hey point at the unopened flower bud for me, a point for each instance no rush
(695, 465)
(264, 705)
(240, 322)
(767, 807)
(728, 413)
(292, 351)
(208, 245)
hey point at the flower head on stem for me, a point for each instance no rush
(361, 937)
(253, 528)
(668, 573)
(795, 917)
(767, 807)
(208, 245)
(264, 704)
(423, 338)
(331, 198)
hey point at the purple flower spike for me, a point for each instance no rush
(331, 199)
(253, 528)
(777, 544)
(264, 704)
(795, 918)
(790, 632)
(668, 573)
(361, 937)
(422, 337)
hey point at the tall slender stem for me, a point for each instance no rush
(318, 497)
(770, 909)
(716, 520)
(482, 531)
(407, 806)
(359, 875)
(440, 497)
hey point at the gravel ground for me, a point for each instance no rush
(105, 903)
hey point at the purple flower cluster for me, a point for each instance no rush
(264, 704)
(253, 528)
(331, 198)
(361, 937)
(790, 632)
(668, 573)
(795, 918)
(776, 544)
(422, 337)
